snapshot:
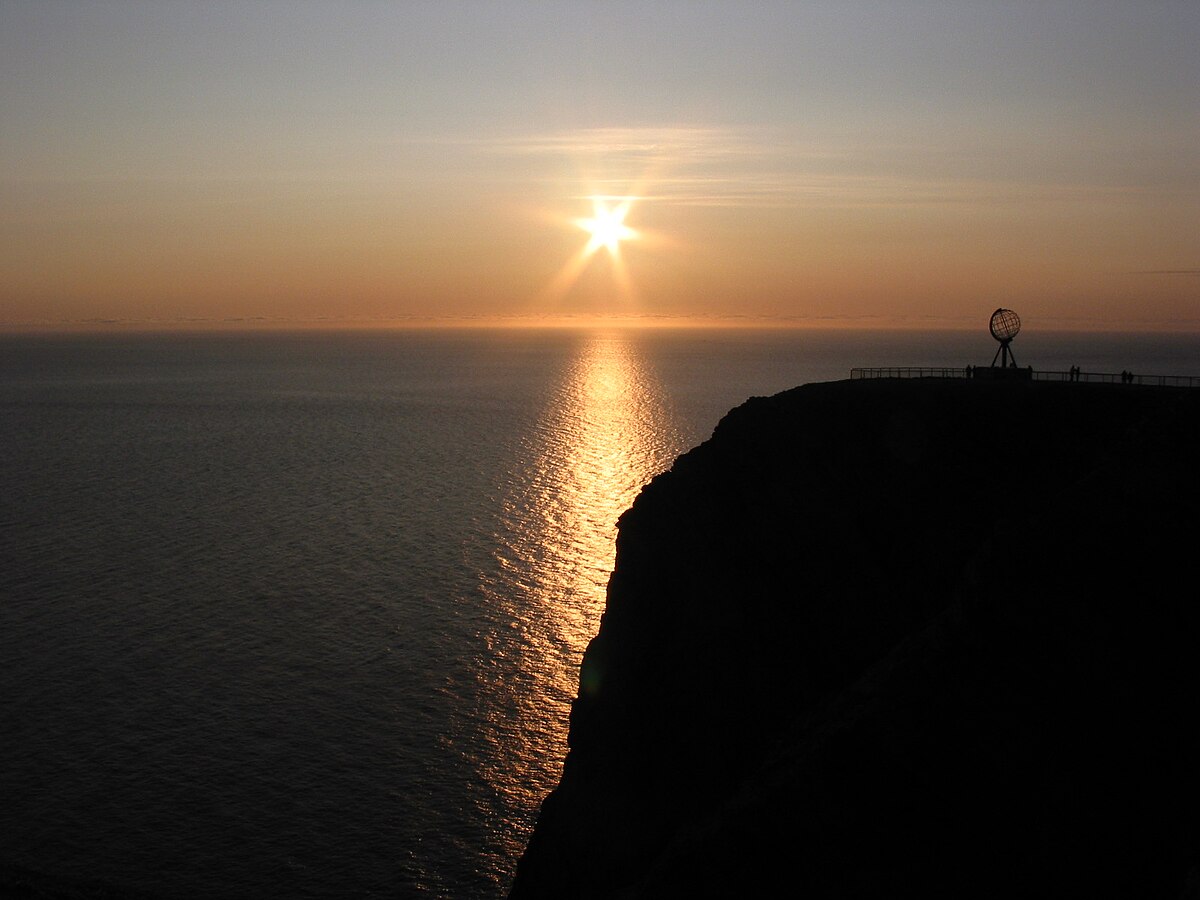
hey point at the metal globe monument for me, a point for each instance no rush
(1004, 326)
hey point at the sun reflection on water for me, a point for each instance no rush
(604, 438)
(606, 431)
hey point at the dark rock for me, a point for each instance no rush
(897, 637)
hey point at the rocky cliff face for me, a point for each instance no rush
(904, 638)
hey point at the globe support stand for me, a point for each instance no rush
(1005, 355)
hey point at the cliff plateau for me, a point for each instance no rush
(908, 638)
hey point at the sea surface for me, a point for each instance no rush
(300, 614)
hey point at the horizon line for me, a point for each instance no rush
(401, 323)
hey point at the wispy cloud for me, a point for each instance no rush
(682, 165)
(677, 144)
(687, 165)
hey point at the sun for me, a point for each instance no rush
(607, 226)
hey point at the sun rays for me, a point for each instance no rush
(606, 228)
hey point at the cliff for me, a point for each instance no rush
(903, 638)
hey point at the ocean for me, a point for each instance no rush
(301, 614)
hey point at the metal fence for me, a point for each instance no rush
(907, 372)
(1088, 377)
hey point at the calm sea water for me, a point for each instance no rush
(300, 615)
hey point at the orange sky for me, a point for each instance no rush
(860, 163)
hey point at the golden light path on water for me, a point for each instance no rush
(606, 431)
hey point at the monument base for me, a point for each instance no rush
(996, 373)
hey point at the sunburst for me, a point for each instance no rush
(607, 226)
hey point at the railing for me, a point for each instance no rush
(1089, 377)
(1115, 378)
(908, 372)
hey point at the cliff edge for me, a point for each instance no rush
(897, 638)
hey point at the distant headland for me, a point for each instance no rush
(898, 637)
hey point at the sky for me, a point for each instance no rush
(358, 163)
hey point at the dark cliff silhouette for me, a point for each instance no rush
(902, 638)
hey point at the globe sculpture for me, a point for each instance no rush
(1004, 326)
